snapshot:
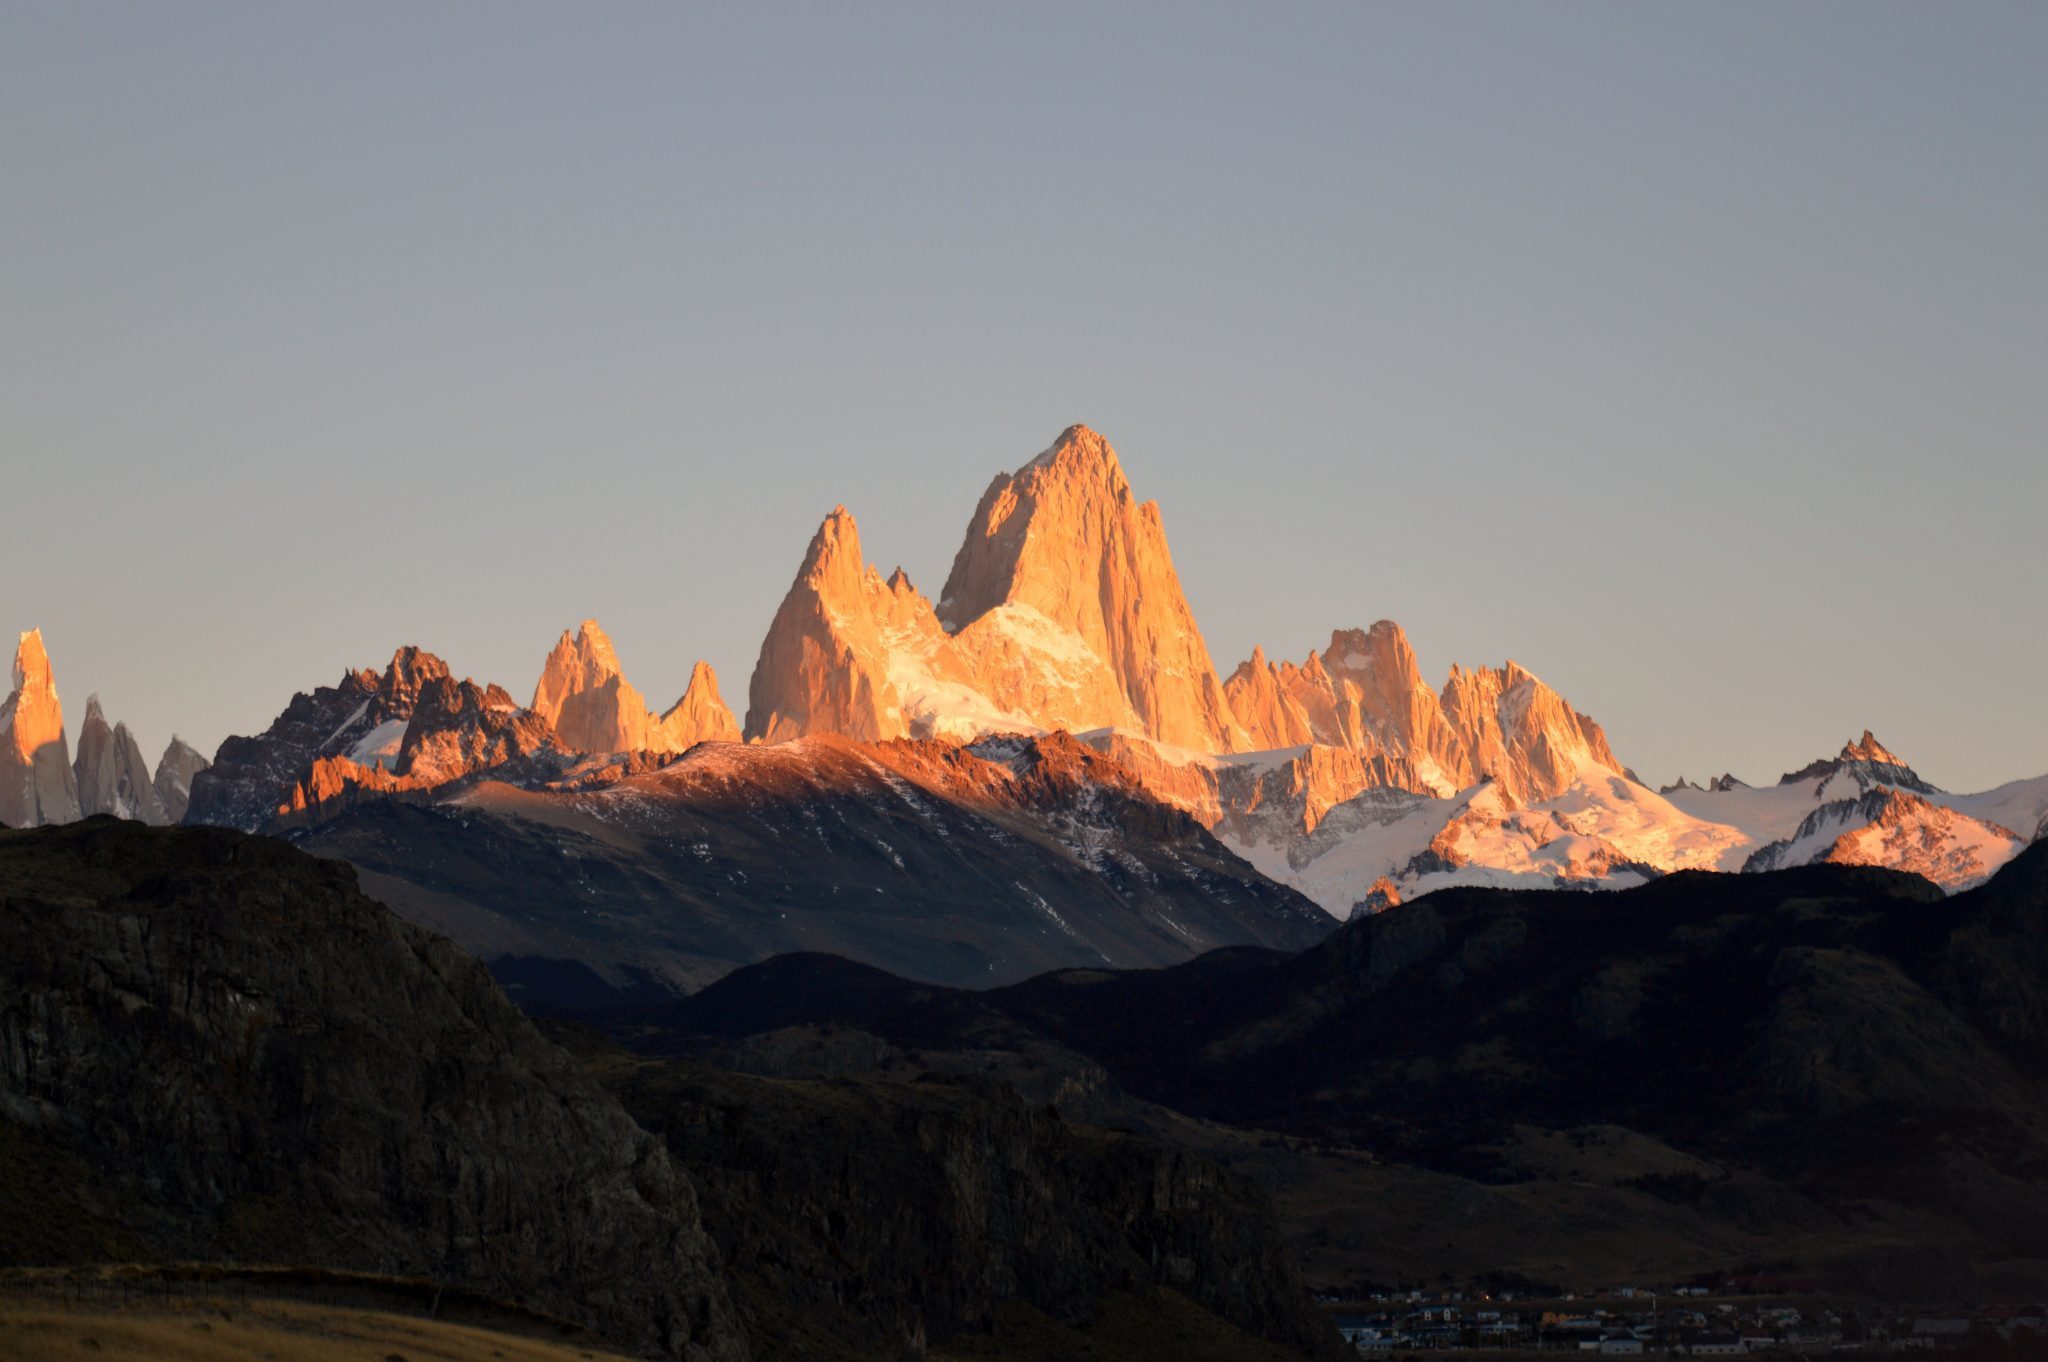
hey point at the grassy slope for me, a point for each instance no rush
(200, 1330)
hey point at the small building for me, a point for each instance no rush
(1621, 1345)
(1716, 1345)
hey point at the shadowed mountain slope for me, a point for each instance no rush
(1832, 1065)
(964, 865)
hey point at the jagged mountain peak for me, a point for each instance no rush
(32, 664)
(1062, 543)
(410, 670)
(1898, 828)
(825, 663)
(577, 663)
(111, 775)
(37, 784)
(1869, 749)
(584, 697)
(1867, 762)
(175, 770)
(1364, 693)
(699, 715)
(1082, 459)
(838, 537)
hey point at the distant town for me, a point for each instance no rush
(1737, 1316)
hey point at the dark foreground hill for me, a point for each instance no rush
(1832, 1068)
(213, 1047)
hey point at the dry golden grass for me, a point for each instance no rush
(267, 1331)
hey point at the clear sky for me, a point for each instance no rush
(1696, 357)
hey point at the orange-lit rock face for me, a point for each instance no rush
(701, 715)
(1062, 612)
(1521, 732)
(824, 667)
(1366, 694)
(1063, 538)
(585, 696)
(37, 785)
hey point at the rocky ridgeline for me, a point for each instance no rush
(39, 783)
(414, 731)
(593, 708)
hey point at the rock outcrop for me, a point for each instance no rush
(414, 728)
(173, 782)
(699, 715)
(1899, 830)
(1365, 694)
(877, 1219)
(37, 784)
(1860, 765)
(112, 776)
(583, 693)
(1381, 896)
(249, 1060)
(825, 666)
(585, 696)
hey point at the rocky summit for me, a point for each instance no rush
(37, 784)
(111, 774)
(593, 708)
(1062, 611)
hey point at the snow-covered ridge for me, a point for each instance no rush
(1315, 818)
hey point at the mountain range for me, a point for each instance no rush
(1833, 1069)
(880, 724)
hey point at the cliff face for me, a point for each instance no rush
(112, 776)
(700, 714)
(413, 729)
(824, 667)
(1365, 693)
(1064, 539)
(1062, 612)
(864, 1218)
(584, 695)
(175, 770)
(256, 1062)
(37, 784)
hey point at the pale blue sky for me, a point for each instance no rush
(1690, 355)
